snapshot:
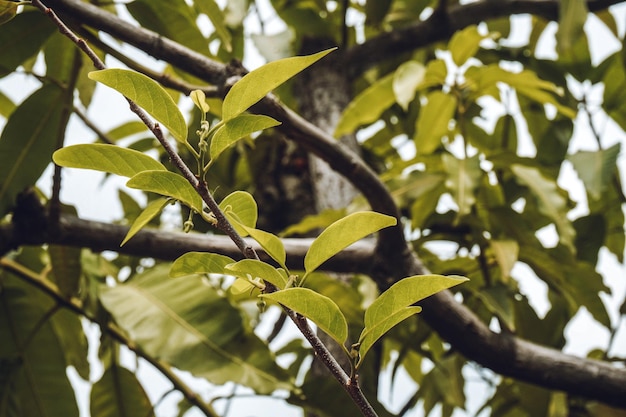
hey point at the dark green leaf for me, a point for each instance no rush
(21, 38)
(119, 394)
(596, 168)
(572, 18)
(152, 210)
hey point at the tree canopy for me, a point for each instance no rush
(395, 173)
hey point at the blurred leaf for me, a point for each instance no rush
(314, 221)
(66, 268)
(27, 142)
(448, 379)
(241, 207)
(168, 184)
(497, 298)
(159, 313)
(367, 107)
(8, 10)
(6, 105)
(584, 284)
(318, 308)
(106, 158)
(406, 80)
(192, 263)
(464, 44)
(596, 168)
(238, 128)
(590, 236)
(342, 234)
(463, 179)
(62, 58)
(433, 122)
(148, 94)
(255, 270)
(22, 37)
(152, 210)
(572, 18)
(376, 10)
(256, 84)
(213, 12)
(277, 46)
(126, 129)
(118, 393)
(506, 253)
(69, 330)
(394, 305)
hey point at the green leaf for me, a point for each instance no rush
(367, 107)
(6, 105)
(199, 99)
(572, 18)
(596, 169)
(106, 158)
(8, 10)
(255, 270)
(126, 129)
(213, 12)
(169, 184)
(62, 57)
(27, 142)
(314, 221)
(148, 94)
(342, 234)
(406, 81)
(255, 85)
(66, 268)
(506, 253)
(394, 305)
(270, 243)
(192, 263)
(433, 121)
(551, 202)
(119, 393)
(463, 178)
(159, 313)
(238, 128)
(464, 44)
(150, 212)
(22, 37)
(240, 207)
(318, 308)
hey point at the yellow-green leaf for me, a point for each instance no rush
(463, 178)
(342, 234)
(238, 128)
(464, 44)
(106, 158)
(506, 253)
(192, 263)
(240, 207)
(433, 121)
(317, 307)
(270, 243)
(148, 94)
(256, 84)
(199, 99)
(254, 270)
(213, 12)
(572, 18)
(150, 212)
(406, 81)
(168, 184)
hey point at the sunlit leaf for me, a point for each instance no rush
(464, 44)
(318, 308)
(106, 158)
(199, 263)
(342, 234)
(254, 270)
(572, 18)
(406, 80)
(596, 168)
(119, 393)
(168, 184)
(433, 122)
(148, 94)
(367, 107)
(199, 99)
(152, 210)
(27, 142)
(270, 243)
(463, 179)
(238, 128)
(213, 12)
(255, 85)
(241, 207)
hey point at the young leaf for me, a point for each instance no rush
(393, 305)
(106, 158)
(270, 243)
(240, 208)
(252, 269)
(199, 99)
(318, 308)
(169, 184)
(433, 121)
(192, 263)
(148, 94)
(342, 234)
(464, 44)
(256, 84)
(238, 128)
(150, 212)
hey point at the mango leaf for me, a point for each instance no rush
(159, 313)
(213, 12)
(61, 56)
(318, 308)
(367, 107)
(572, 18)
(255, 270)
(506, 253)
(238, 128)
(433, 121)
(464, 44)
(148, 94)
(551, 202)
(596, 169)
(152, 210)
(169, 184)
(8, 10)
(270, 243)
(256, 84)
(342, 234)
(497, 299)
(406, 80)
(240, 208)
(463, 179)
(119, 393)
(192, 263)
(22, 37)
(106, 158)
(27, 142)
(199, 99)
(394, 305)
